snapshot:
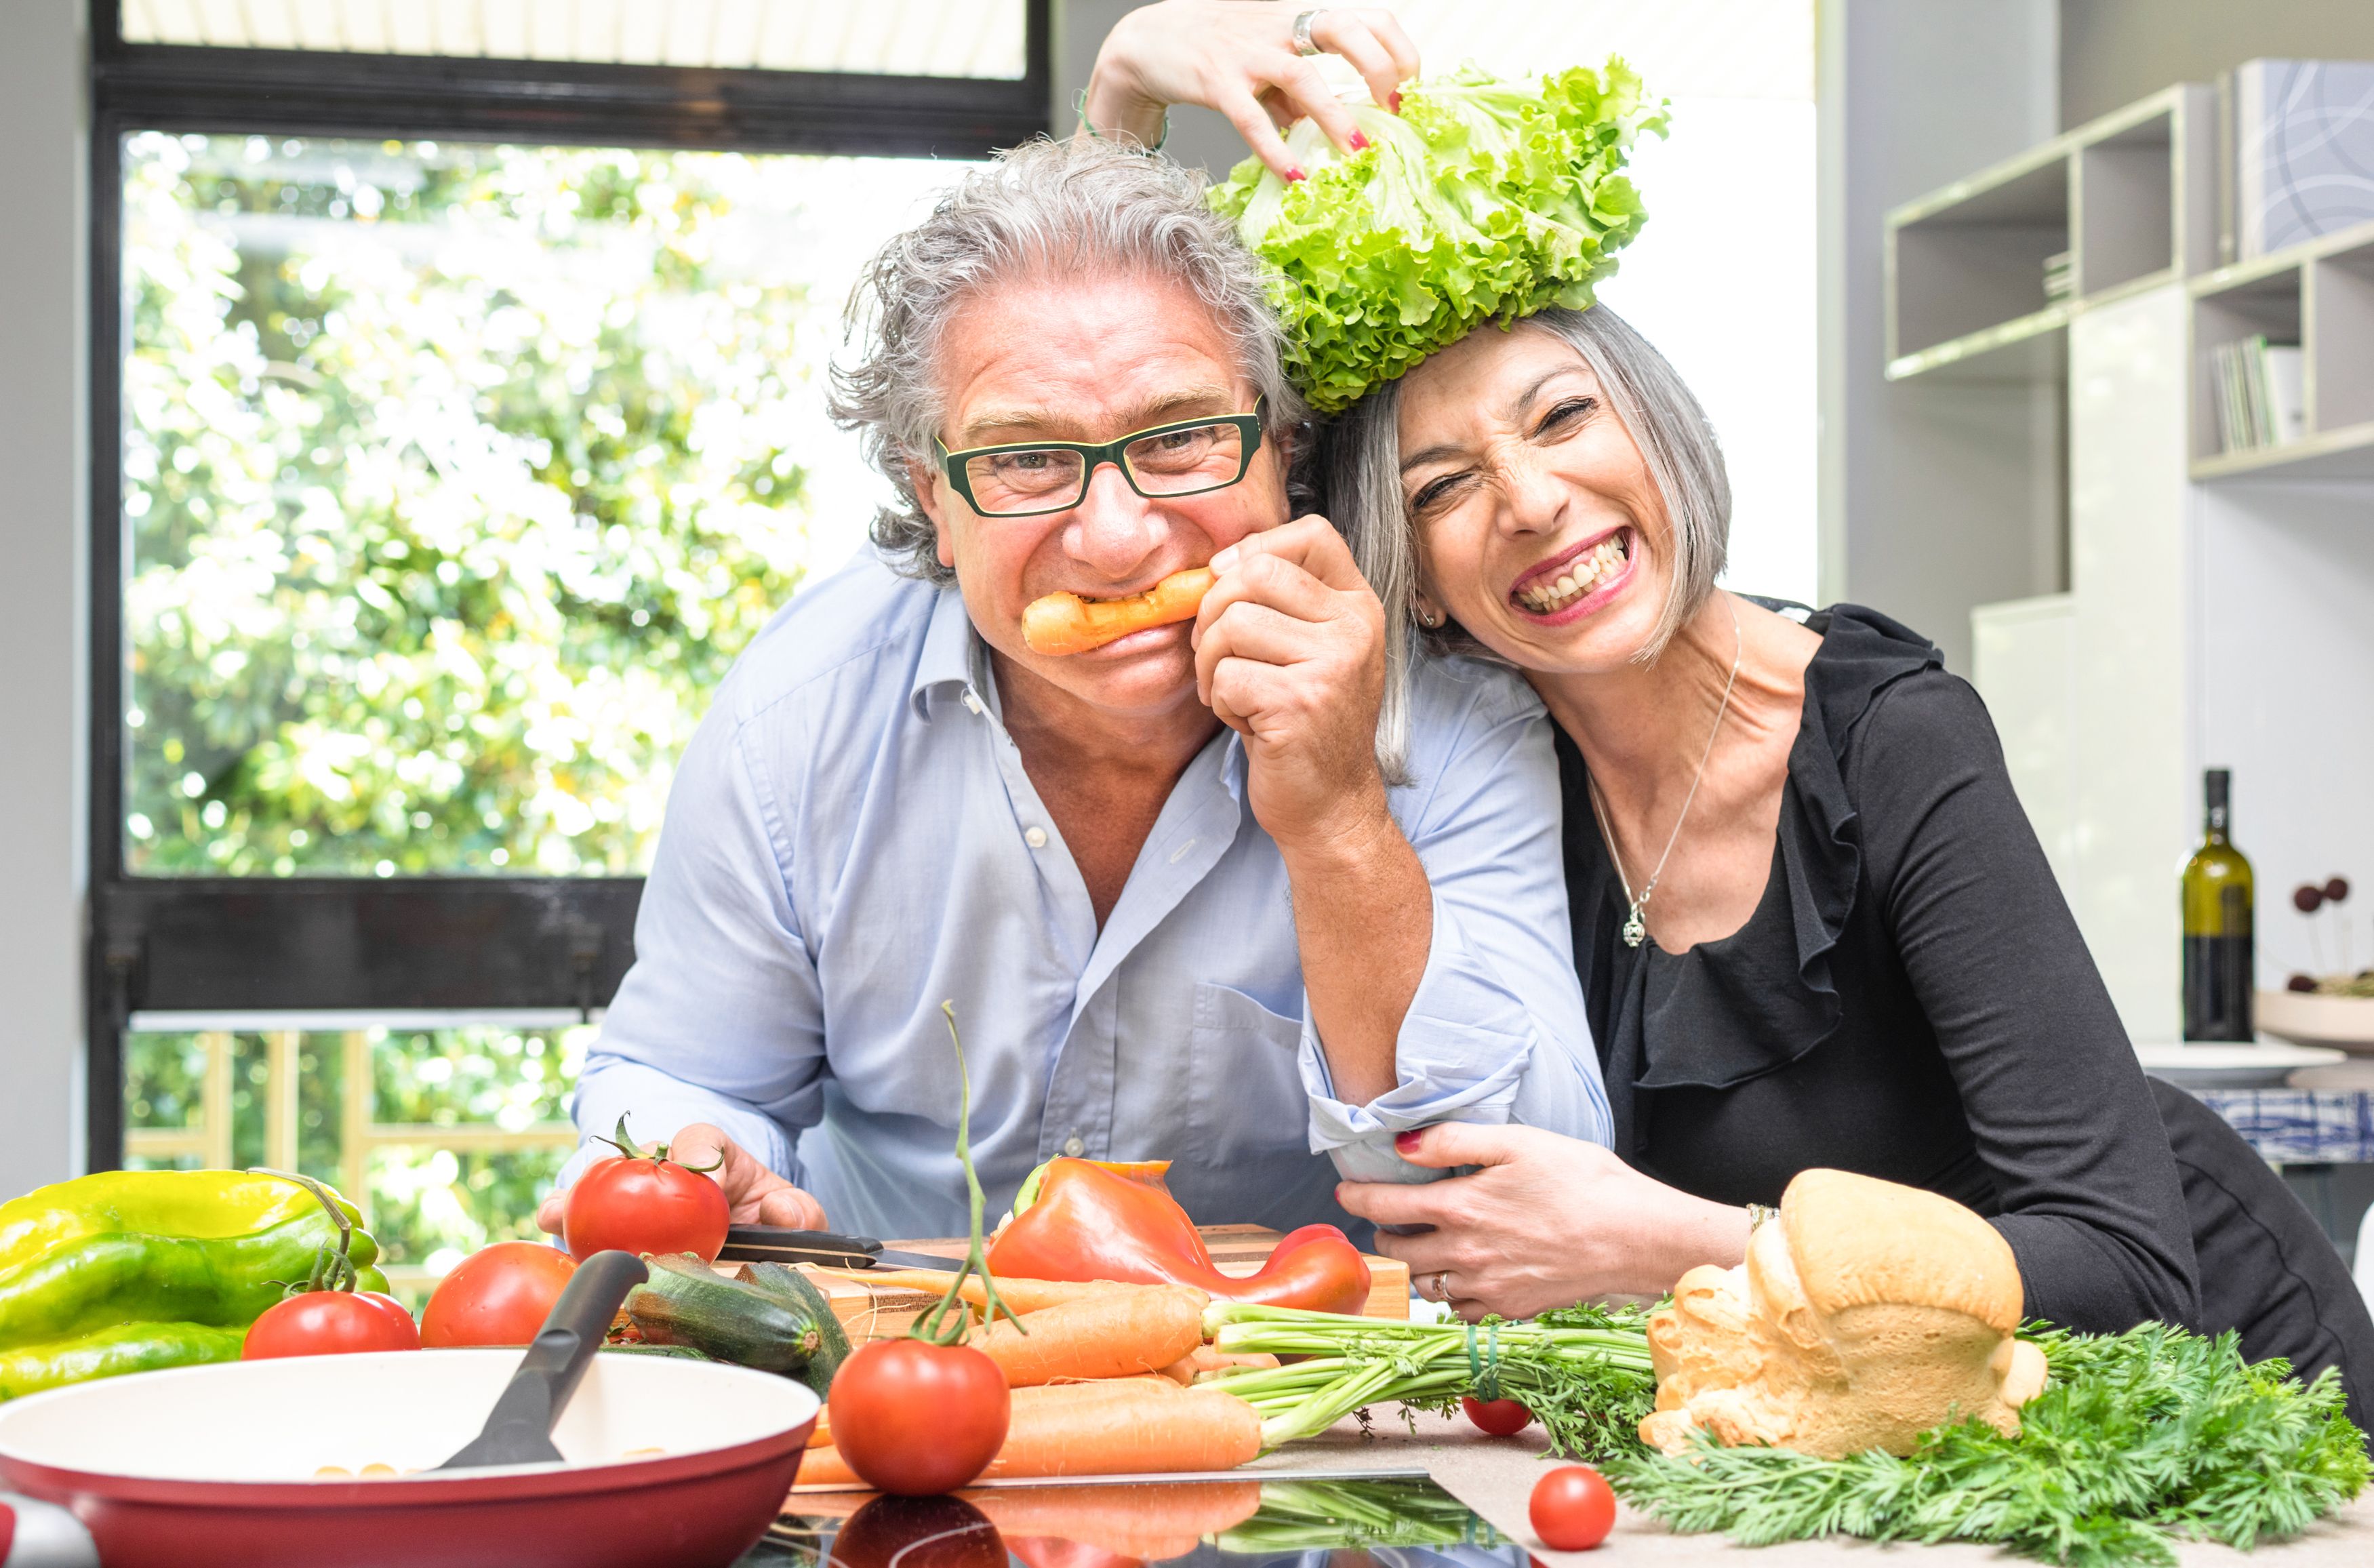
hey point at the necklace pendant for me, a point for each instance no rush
(1634, 930)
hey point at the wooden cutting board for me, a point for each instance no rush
(873, 1311)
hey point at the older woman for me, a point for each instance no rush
(1811, 920)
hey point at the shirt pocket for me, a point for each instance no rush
(1248, 1158)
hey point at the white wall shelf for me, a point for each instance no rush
(2320, 295)
(2207, 622)
(2127, 196)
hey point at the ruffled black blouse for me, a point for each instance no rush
(1911, 999)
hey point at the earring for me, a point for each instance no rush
(1431, 621)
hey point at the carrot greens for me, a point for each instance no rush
(1583, 1371)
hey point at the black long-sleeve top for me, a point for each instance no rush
(1911, 999)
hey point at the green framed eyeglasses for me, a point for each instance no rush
(1032, 478)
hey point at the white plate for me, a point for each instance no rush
(2311, 1019)
(2208, 1063)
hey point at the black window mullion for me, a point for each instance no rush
(112, 971)
(308, 92)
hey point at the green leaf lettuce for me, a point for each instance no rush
(1481, 201)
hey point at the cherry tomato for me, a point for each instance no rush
(1573, 1508)
(331, 1323)
(1499, 1417)
(918, 1532)
(499, 1295)
(916, 1419)
(643, 1203)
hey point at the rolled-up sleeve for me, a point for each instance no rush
(720, 1020)
(1495, 1031)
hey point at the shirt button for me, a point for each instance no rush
(970, 700)
(1037, 839)
(1073, 1147)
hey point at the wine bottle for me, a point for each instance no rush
(2218, 954)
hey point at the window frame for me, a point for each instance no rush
(462, 941)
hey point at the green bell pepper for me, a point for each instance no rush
(127, 1270)
(100, 1282)
(129, 1346)
(201, 1204)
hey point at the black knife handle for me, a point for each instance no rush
(765, 1241)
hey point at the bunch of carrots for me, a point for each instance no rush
(1103, 1382)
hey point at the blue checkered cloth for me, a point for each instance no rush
(2299, 1126)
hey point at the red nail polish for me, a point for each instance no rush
(1394, 103)
(1294, 174)
(1407, 1142)
(1360, 142)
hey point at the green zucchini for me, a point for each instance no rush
(687, 1302)
(672, 1353)
(799, 1293)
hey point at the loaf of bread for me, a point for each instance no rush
(1866, 1314)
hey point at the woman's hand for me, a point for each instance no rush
(1237, 57)
(1546, 1223)
(754, 1194)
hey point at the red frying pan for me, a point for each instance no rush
(664, 1461)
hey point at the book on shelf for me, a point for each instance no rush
(2060, 275)
(2296, 152)
(2261, 393)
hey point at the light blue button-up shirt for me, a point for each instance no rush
(852, 839)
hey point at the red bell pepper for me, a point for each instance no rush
(1086, 1222)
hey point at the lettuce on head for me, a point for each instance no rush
(1480, 201)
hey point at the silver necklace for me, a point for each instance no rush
(1635, 928)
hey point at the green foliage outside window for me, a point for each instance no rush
(455, 477)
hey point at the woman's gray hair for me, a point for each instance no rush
(1059, 208)
(1359, 474)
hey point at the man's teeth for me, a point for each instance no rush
(1578, 577)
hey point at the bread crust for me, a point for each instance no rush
(1866, 1314)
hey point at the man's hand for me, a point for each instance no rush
(755, 1195)
(1290, 653)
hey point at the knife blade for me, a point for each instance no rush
(776, 1243)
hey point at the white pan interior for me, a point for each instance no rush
(285, 1418)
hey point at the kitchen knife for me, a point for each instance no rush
(774, 1243)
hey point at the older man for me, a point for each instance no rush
(1177, 907)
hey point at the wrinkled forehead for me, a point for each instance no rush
(1488, 378)
(1083, 357)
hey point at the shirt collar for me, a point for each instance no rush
(951, 648)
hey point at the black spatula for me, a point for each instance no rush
(518, 1431)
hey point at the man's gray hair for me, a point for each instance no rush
(1361, 477)
(1046, 209)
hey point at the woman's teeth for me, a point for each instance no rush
(1578, 577)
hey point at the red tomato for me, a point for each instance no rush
(915, 1418)
(1499, 1417)
(918, 1532)
(331, 1323)
(1573, 1508)
(644, 1206)
(499, 1295)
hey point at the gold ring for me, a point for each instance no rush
(1442, 1285)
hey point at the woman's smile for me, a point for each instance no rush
(1577, 581)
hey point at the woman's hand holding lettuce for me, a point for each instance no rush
(1481, 200)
